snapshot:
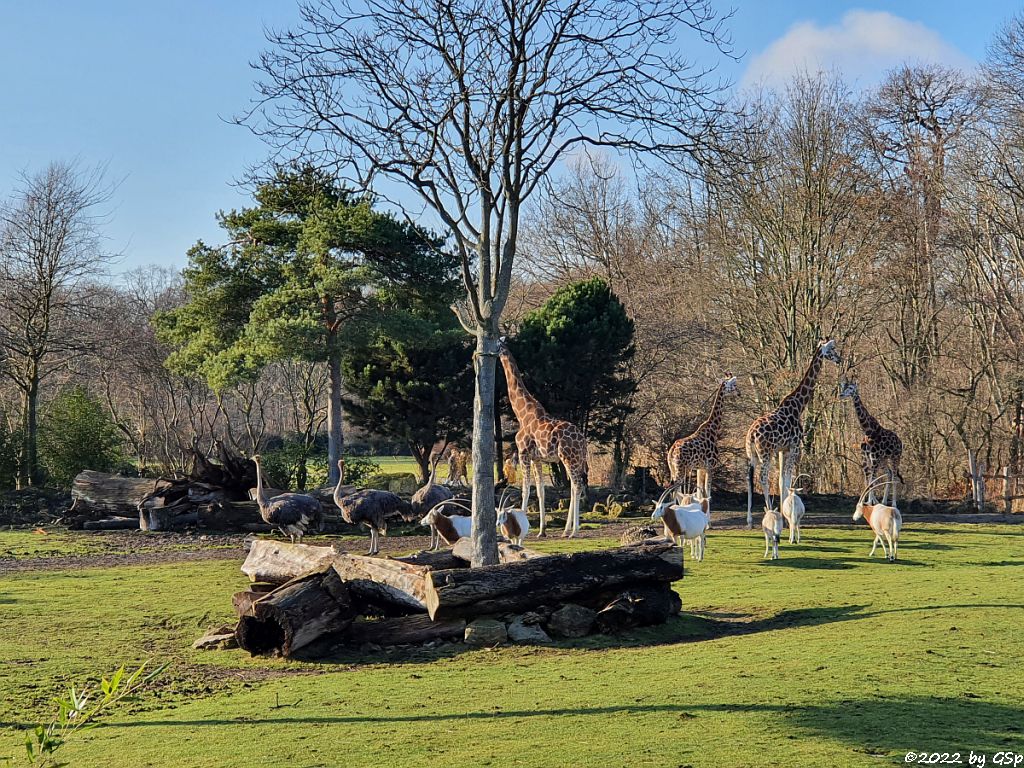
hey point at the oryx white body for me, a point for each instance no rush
(793, 512)
(886, 522)
(685, 522)
(771, 524)
(447, 528)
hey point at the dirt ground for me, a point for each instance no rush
(113, 548)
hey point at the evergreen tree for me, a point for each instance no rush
(574, 353)
(302, 276)
(76, 433)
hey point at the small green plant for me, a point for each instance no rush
(359, 470)
(80, 710)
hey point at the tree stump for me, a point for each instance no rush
(296, 614)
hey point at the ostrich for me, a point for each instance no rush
(431, 494)
(372, 509)
(290, 513)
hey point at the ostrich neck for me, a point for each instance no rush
(261, 495)
(523, 403)
(801, 395)
(338, 495)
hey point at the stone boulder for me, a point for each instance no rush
(485, 633)
(571, 620)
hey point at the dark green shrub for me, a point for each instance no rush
(76, 433)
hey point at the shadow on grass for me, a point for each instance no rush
(998, 563)
(930, 545)
(875, 726)
(806, 563)
(687, 627)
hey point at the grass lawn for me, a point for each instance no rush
(823, 658)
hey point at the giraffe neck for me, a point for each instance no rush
(523, 403)
(799, 397)
(868, 422)
(713, 422)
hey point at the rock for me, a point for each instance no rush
(571, 620)
(520, 631)
(217, 639)
(485, 633)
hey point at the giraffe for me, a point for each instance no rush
(781, 432)
(880, 450)
(457, 460)
(699, 451)
(541, 440)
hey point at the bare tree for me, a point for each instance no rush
(469, 105)
(51, 251)
(914, 121)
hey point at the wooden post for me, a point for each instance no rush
(1007, 491)
(981, 467)
(972, 471)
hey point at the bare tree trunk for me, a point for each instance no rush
(28, 466)
(484, 535)
(335, 433)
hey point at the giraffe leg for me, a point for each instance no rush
(572, 522)
(892, 484)
(538, 477)
(526, 486)
(750, 493)
(766, 468)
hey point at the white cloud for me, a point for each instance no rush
(862, 46)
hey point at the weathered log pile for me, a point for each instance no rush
(213, 496)
(310, 601)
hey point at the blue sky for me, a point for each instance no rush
(144, 87)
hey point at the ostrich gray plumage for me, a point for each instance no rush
(290, 513)
(371, 508)
(431, 494)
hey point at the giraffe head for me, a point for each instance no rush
(502, 347)
(847, 390)
(827, 350)
(729, 385)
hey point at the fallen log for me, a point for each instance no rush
(382, 582)
(279, 561)
(296, 614)
(242, 601)
(436, 560)
(112, 524)
(404, 630)
(520, 586)
(507, 553)
(172, 518)
(113, 494)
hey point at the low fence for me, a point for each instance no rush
(1011, 498)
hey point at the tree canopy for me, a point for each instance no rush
(305, 274)
(574, 352)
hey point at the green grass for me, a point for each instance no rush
(823, 658)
